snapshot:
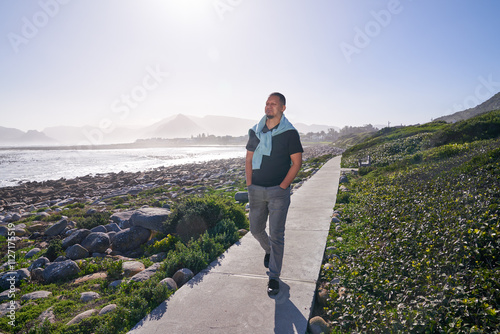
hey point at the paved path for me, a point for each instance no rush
(230, 296)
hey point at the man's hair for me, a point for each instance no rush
(280, 96)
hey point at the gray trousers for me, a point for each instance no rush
(272, 202)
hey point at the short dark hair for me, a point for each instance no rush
(280, 96)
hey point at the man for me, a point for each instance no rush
(274, 157)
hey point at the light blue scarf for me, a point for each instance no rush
(266, 141)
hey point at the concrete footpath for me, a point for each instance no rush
(231, 295)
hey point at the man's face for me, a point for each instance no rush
(274, 108)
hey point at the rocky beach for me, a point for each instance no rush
(129, 209)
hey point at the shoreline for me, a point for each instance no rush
(30, 196)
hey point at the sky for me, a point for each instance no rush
(112, 63)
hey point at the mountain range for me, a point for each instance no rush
(177, 126)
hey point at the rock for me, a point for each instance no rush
(60, 271)
(323, 297)
(48, 315)
(75, 238)
(170, 283)
(96, 242)
(112, 227)
(77, 252)
(57, 228)
(99, 228)
(81, 316)
(86, 297)
(41, 262)
(131, 268)
(9, 307)
(146, 274)
(182, 276)
(37, 274)
(158, 257)
(60, 258)
(335, 220)
(32, 252)
(4, 231)
(242, 232)
(130, 238)
(150, 218)
(107, 309)
(241, 196)
(6, 295)
(35, 228)
(318, 325)
(89, 277)
(115, 284)
(122, 218)
(343, 179)
(36, 295)
(14, 278)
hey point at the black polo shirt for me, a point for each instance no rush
(274, 167)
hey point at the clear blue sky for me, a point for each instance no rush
(339, 62)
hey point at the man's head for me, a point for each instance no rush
(275, 105)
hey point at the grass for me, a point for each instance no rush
(420, 243)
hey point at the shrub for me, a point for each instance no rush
(96, 219)
(199, 214)
(54, 250)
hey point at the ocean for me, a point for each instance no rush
(23, 165)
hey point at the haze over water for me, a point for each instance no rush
(40, 165)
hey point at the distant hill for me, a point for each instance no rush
(15, 137)
(177, 126)
(492, 104)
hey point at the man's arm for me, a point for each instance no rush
(248, 167)
(293, 171)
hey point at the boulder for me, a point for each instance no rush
(150, 218)
(182, 276)
(60, 271)
(131, 268)
(36, 295)
(32, 253)
(112, 227)
(107, 309)
(41, 262)
(130, 239)
(146, 274)
(122, 218)
(86, 297)
(75, 238)
(77, 252)
(318, 325)
(241, 196)
(48, 315)
(96, 242)
(170, 283)
(37, 274)
(99, 228)
(9, 307)
(81, 316)
(14, 278)
(57, 228)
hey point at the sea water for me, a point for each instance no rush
(22, 165)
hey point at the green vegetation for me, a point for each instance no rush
(212, 207)
(419, 249)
